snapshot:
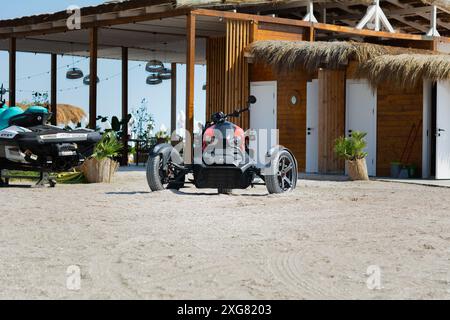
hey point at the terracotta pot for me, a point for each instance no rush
(357, 169)
(99, 171)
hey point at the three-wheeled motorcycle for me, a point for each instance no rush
(225, 158)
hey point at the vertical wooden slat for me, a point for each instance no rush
(190, 71)
(173, 98)
(331, 118)
(53, 89)
(12, 71)
(125, 105)
(236, 70)
(93, 77)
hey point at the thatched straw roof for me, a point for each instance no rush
(66, 113)
(405, 70)
(401, 66)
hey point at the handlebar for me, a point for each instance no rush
(236, 113)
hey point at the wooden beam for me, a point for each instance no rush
(190, 77)
(419, 13)
(93, 41)
(369, 33)
(103, 23)
(173, 99)
(250, 17)
(300, 23)
(53, 89)
(125, 105)
(356, 13)
(12, 71)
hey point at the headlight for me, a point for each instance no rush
(234, 141)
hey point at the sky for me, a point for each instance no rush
(109, 91)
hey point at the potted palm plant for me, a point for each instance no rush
(352, 150)
(101, 166)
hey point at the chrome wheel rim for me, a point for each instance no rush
(285, 173)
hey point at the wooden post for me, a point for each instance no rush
(53, 89)
(311, 34)
(93, 78)
(125, 105)
(173, 102)
(12, 72)
(190, 72)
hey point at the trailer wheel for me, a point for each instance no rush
(284, 177)
(158, 178)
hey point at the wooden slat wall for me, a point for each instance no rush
(331, 118)
(215, 75)
(291, 121)
(236, 69)
(398, 110)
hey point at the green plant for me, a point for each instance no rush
(351, 148)
(117, 126)
(108, 147)
(143, 122)
(40, 98)
(73, 177)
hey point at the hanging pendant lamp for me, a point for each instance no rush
(165, 74)
(154, 66)
(74, 73)
(87, 80)
(153, 79)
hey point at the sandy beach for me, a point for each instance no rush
(316, 242)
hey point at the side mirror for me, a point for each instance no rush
(251, 99)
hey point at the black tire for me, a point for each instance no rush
(224, 191)
(285, 174)
(156, 178)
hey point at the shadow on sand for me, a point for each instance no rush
(183, 193)
(127, 192)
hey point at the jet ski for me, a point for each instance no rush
(29, 143)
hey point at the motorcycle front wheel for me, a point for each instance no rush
(159, 178)
(284, 177)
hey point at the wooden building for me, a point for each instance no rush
(316, 67)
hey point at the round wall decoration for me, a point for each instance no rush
(294, 98)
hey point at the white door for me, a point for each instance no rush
(312, 124)
(263, 118)
(361, 110)
(443, 130)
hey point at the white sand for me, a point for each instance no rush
(316, 242)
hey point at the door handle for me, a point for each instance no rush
(440, 130)
(438, 133)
